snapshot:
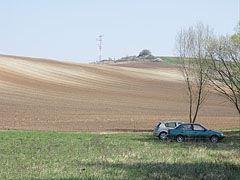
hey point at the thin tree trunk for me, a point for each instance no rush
(196, 111)
(190, 109)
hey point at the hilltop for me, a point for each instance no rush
(131, 59)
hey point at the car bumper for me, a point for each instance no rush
(155, 133)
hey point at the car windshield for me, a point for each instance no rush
(204, 127)
(177, 126)
(197, 127)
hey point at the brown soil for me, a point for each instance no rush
(38, 94)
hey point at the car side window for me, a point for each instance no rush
(170, 124)
(186, 127)
(198, 128)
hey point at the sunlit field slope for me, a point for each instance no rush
(40, 94)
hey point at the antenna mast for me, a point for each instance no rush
(100, 46)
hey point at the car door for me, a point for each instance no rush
(199, 132)
(187, 131)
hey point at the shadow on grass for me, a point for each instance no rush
(72, 178)
(168, 171)
(163, 171)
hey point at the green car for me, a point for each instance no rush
(193, 131)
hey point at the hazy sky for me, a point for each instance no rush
(68, 29)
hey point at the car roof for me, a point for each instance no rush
(170, 121)
(192, 124)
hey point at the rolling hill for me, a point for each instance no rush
(41, 94)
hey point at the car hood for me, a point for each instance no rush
(214, 132)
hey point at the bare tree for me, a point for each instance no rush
(191, 47)
(224, 64)
(236, 37)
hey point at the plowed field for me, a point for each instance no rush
(40, 94)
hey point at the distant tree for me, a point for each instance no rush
(191, 47)
(144, 52)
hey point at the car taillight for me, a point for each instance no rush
(168, 132)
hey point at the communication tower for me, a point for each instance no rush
(100, 46)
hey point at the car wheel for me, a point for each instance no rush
(163, 136)
(180, 138)
(214, 139)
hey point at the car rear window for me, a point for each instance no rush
(170, 124)
(158, 124)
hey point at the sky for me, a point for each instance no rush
(67, 29)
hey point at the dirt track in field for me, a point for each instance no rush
(38, 94)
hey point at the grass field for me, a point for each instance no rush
(63, 155)
(171, 60)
